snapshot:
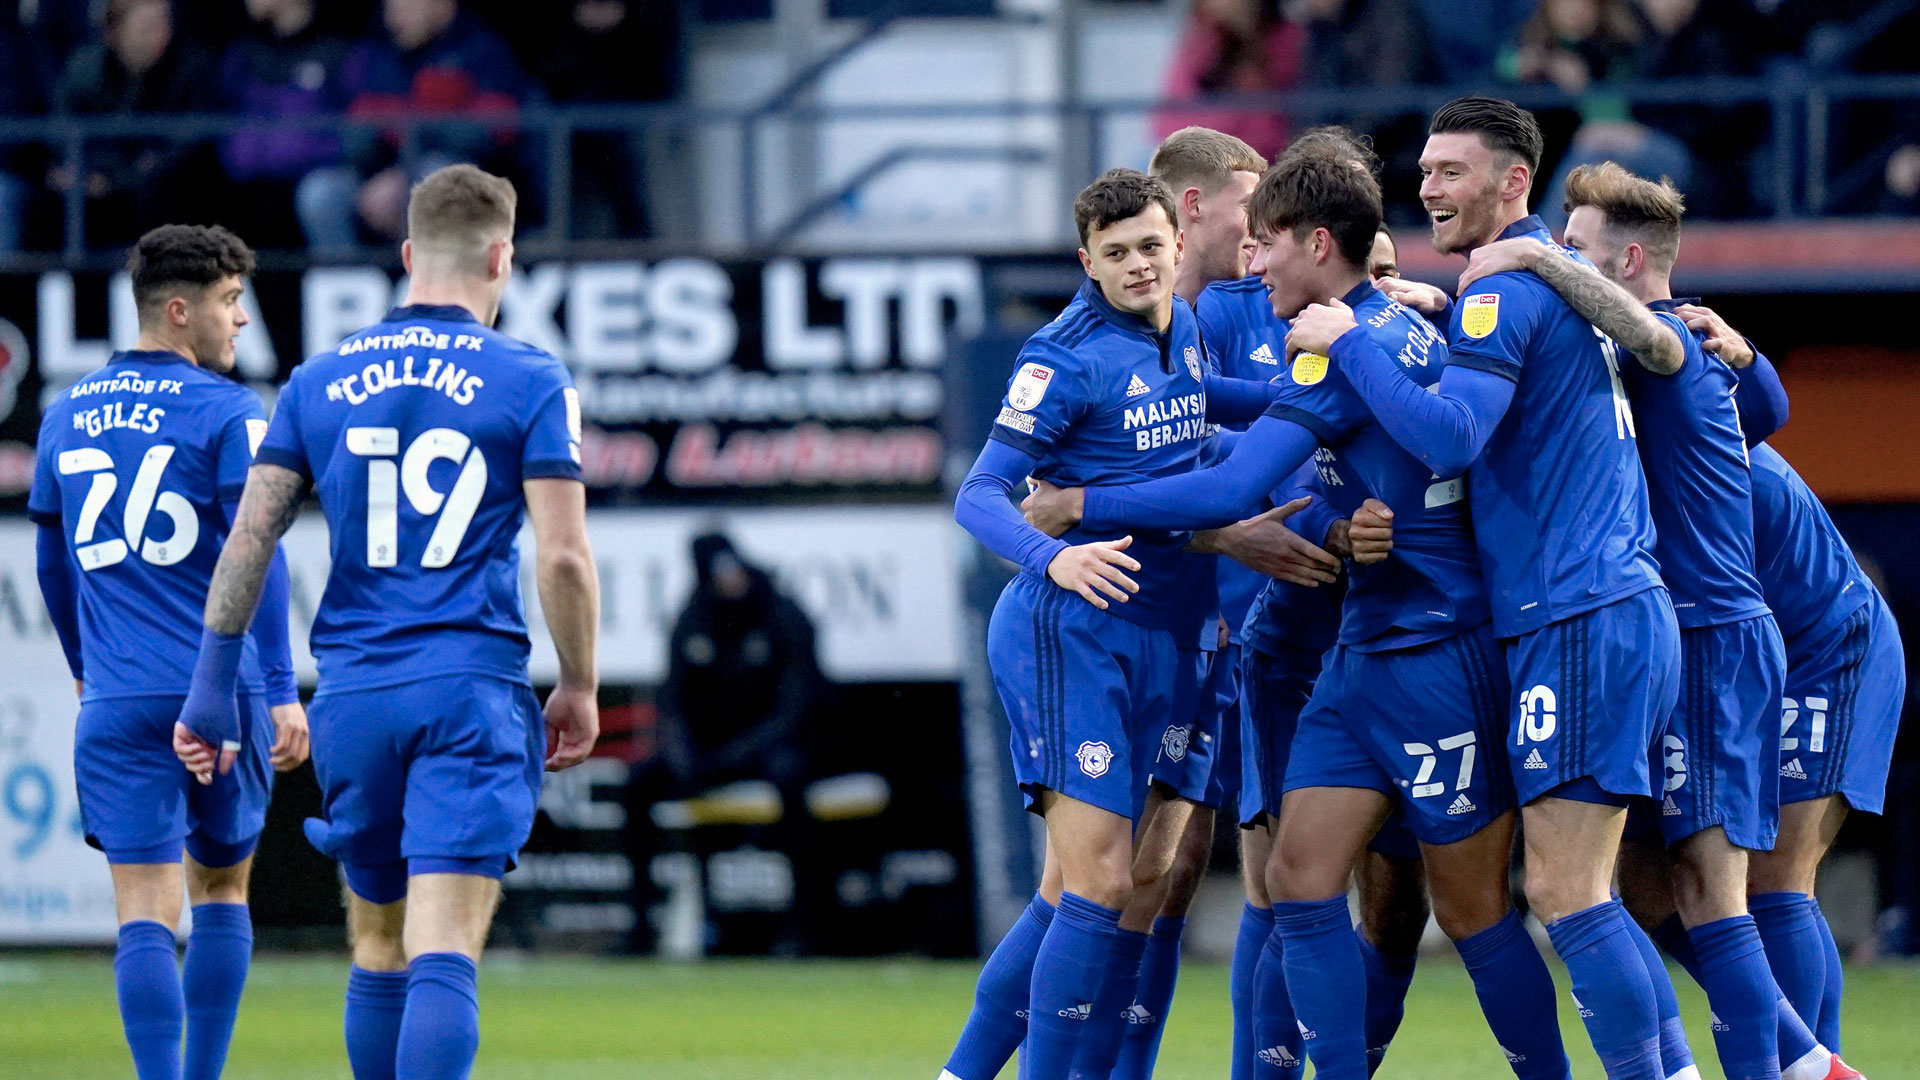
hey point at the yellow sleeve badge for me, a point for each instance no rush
(1479, 314)
(1309, 368)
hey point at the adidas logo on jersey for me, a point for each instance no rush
(1461, 805)
(1279, 1057)
(1139, 1014)
(1263, 355)
(1136, 386)
(1792, 770)
(1078, 1012)
(1669, 808)
(1534, 761)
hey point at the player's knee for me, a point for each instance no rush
(1297, 873)
(1554, 892)
(1459, 917)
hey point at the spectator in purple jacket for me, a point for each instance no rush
(289, 67)
(434, 59)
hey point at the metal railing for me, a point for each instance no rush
(1801, 109)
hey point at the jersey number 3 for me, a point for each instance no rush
(144, 498)
(386, 479)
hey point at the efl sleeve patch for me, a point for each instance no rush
(256, 430)
(1029, 386)
(1309, 368)
(1479, 314)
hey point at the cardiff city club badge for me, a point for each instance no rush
(1192, 356)
(1094, 758)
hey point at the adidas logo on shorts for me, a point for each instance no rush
(1136, 387)
(1534, 761)
(1669, 808)
(1461, 805)
(1792, 770)
(1279, 1057)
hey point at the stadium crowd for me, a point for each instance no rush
(480, 62)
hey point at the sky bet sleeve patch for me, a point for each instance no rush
(1479, 314)
(1029, 386)
(1309, 368)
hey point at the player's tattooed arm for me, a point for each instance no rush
(1611, 309)
(267, 507)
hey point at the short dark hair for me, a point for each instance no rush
(1341, 141)
(1117, 195)
(1502, 125)
(1315, 187)
(173, 258)
(1647, 212)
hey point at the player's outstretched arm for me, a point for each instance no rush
(570, 599)
(207, 736)
(1611, 309)
(1207, 498)
(1445, 425)
(1237, 401)
(1762, 400)
(1266, 544)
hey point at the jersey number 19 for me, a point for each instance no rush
(386, 479)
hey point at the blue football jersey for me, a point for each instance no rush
(1304, 617)
(417, 434)
(134, 464)
(1431, 587)
(1242, 339)
(1099, 397)
(1698, 489)
(1559, 500)
(1806, 570)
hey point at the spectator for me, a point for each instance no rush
(289, 67)
(609, 51)
(135, 183)
(743, 688)
(1687, 39)
(1234, 47)
(435, 58)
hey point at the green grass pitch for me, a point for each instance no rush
(565, 1018)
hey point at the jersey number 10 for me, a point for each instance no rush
(386, 479)
(142, 500)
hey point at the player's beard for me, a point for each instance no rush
(1473, 223)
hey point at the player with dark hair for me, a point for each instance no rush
(1721, 794)
(136, 483)
(428, 437)
(1094, 644)
(1374, 731)
(1532, 409)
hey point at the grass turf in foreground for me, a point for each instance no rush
(564, 1018)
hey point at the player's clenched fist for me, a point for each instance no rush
(1053, 510)
(1096, 568)
(1370, 532)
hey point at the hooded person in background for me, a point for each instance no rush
(743, 685)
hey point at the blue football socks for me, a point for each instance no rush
(1613, 990)
(1517, 997)
(1796, 950)
(1388, 979)
(1827, 1028)
(440, 1032)
(1742, 993)
(152, 1007)
(376, 1002)
(1676, 1053)
(1147, 1020)
(1321, 951)
(998, 1021)
(215, 972)
(1256, 926)
(1100, 1037)
(1067, 976)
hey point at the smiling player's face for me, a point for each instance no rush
(1226, 245)
(214, 321)
(1460, 188)
(1132, 260)
(1287, 269)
